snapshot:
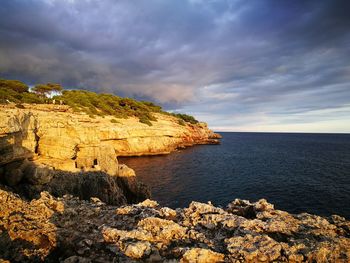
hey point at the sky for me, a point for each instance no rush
(257, 65)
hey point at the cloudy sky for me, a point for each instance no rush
(239, 65)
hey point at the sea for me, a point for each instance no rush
(296, 172)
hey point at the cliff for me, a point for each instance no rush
(50, 148)
(54, 135)
(70, 230)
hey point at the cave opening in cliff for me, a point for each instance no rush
(94, 163)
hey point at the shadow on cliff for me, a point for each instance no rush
(34, 227)
(27, 178)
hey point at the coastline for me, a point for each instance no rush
(50, 148)
(88, 213)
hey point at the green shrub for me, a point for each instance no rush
(114, 121)
(14, 85)
(145, 121)
(7, 94)
(20, 106)
(108, 104)
(151, 105)
(16, 97)
(186, 118)
(181, 122)
(31, 98)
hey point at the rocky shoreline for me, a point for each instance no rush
(65, 198)
(71, 230)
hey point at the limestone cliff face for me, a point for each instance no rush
(55, 136)
(50, 148)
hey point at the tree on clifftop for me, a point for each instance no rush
(54, 87)
(14, 85)
(45, 89)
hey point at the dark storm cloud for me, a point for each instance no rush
(229, 62)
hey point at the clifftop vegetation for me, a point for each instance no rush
(14, 91)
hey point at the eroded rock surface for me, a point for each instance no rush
(50, 148)
(70, 230)
(75, 141)
(29, 179)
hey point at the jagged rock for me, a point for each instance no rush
(13, 172)
(38, 174)
(148, 203)
(215, 136)
(162, 230)
(201, 255)
(26, 228)
(97, 201)
(13, 177)
(133, 190)
(76, 259)
(125, 171)
(17, 135)
(29, 179)
(25, 174)
(167, 213)
(254, 248)
(242, 207)
(137, 250)
(198, 213)
(87, 185)
(75, 230)
(149, 229)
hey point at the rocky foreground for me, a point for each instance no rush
(71, 230)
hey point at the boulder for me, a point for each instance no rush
(14, 172)
(38, 174)
(134, 190)
(260, 248)
(201, 255)
(137, 250)
(125, 171)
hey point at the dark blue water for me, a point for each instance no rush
(296, 172)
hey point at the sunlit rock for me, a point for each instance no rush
(89, 231)
(201, 255)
